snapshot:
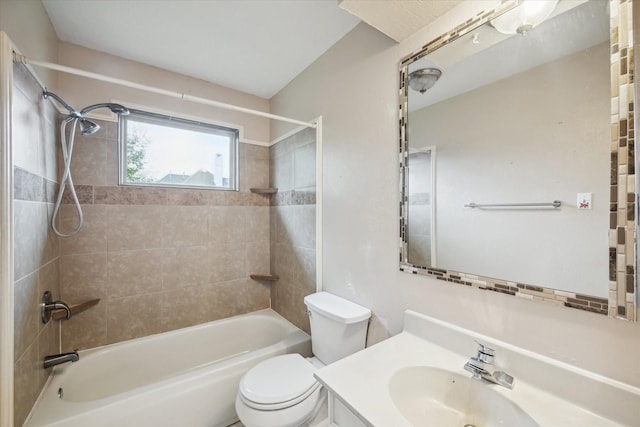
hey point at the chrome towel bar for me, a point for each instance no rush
(554, 204)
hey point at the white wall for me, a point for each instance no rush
(29, 28)
(354, 87)
(80, 91)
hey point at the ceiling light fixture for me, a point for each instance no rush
(524, 17)
(423, 79)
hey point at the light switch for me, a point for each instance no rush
(584, 201)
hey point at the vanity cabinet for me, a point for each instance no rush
(340, 415)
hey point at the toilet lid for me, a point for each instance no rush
(279, 379)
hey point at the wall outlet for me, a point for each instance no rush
(584, 201)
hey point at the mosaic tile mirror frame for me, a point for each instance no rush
(620, 299)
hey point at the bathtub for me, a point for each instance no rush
(183, 378)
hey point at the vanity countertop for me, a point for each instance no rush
(362, 380)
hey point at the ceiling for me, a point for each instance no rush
(398, 19)
(255, 46)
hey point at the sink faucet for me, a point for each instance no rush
(57, 359)
(476, 365)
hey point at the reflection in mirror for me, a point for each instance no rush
(421, 241)
(519, 119)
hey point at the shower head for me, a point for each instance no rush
(87, 127)
(115, 108)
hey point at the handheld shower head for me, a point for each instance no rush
(115, 108)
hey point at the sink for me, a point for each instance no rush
(430, 396)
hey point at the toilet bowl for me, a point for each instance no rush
(282, 391)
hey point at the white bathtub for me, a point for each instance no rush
(183, 378)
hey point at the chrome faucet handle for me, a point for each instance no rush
(485, 354)
(48, 306)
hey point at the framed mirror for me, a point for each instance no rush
(517, 160)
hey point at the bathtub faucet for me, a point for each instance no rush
(57, 359)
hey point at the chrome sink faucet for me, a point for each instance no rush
(476, 365)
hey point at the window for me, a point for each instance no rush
(166, 151)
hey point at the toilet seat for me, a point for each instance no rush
(278, 383)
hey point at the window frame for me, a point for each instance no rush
(176, 122)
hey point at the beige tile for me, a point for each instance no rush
(93, 235)
(183, 267)
(25, 128)
(25, 387)
(226, 224)
(30, 231)
(49, 280)
(256, 223)
(187, 197)
(254, 167)
(304, 175)
(186, 307)
(26, 313)
(184, 226)
(306, 269)
(48, 343)
(304, 223)
(134, 272)
(250, 295)
(236, 297)
(83, 276)
(111, 172)
(227, 262)
(286, 262)
(134, 317)
(257, 255)
(130, 196)
(133, 227)
(88, 164)
(85, 330)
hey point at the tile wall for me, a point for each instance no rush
(36, 264)
(293, 224)
(159, 259)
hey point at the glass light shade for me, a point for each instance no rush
(524, 17)
(423, 79)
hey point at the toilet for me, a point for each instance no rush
(282, 391)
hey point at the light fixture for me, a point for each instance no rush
(524, 17)
(423, 79)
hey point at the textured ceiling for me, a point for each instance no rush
(398, 19)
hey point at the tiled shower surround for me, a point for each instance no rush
(293, 224)
(36, 261)
(159, 259)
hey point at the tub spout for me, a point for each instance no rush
(57, 359)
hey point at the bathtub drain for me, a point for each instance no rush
(60, 393)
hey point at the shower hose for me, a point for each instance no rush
(66, 181)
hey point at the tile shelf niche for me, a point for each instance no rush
(265, 277)
(264, 190)
(75, 309)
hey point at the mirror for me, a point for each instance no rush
(517, 157)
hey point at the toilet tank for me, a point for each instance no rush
(338, 326)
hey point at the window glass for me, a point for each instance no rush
(171, 152)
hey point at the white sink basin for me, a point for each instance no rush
(429, 396)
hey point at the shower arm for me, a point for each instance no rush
(60, 101)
